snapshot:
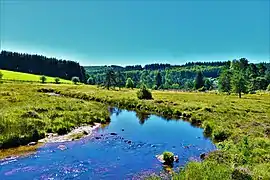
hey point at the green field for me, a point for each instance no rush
(18, 76)
(239, 127)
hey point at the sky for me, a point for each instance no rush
(130, 32)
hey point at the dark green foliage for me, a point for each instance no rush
(75, 80)
(224, 81)
(110, 79)
(57, 80)
(144, 93)
(208, 84)
(239, 83)
(90, 81)
(129, 83)
(43, 79)
(158, 80)
(168, 157)
(199, 82)
(41, 65)
(221, 135)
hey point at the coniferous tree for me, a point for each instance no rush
(158, 80)
(199, 82)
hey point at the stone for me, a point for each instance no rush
(32, 143)
(62, 147)
(113, 134)
(176, 158)
(122, 129)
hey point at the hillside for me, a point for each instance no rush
(18, 76)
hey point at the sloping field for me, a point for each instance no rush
(18, 76)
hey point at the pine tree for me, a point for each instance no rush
(199, 82)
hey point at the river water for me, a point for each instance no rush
(124, 149)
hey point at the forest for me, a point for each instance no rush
(202, 76)
(41, 65)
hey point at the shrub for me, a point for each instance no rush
(57, 80)
(221, 135)
(43, 79)
(144, 93)
(75, 79)
(168, 157)
(241, 173)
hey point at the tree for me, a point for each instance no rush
(43, 79)
(91, 81)
(175, 86)
(199, 82)
(208, 84)
(75, 80)
(57, 80)
(129, 83)
(110, 79)
(144, 93)
(262, 69)
(120, 79)
(224, 81)
(158, 79)
(239, 83)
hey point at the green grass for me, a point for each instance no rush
(18, 76)
(239, 127)
(27, 115)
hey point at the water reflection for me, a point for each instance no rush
(142, 116)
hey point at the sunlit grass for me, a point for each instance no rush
(18, 76)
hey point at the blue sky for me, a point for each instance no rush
(130, 32)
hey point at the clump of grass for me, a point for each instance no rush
(168, 157)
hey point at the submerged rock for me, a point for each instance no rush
(123, 129)
(62, 147)
(113, 134)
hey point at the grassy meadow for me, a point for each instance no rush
(18, 76)
(239, 127)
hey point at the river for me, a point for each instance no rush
(124, 149)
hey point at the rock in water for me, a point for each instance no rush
(113, 134)
(62, 147)
(160, 158)
(32, 143)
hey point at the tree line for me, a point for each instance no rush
(41, 65)
(237, 76)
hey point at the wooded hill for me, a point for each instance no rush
(41, 65)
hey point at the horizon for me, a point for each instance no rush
(137, 33)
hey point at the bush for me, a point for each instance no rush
(168, 157)
(144, 93)
(75, 79)
(43, 79)
(221, 135)
(241, 174)
(57, 80)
